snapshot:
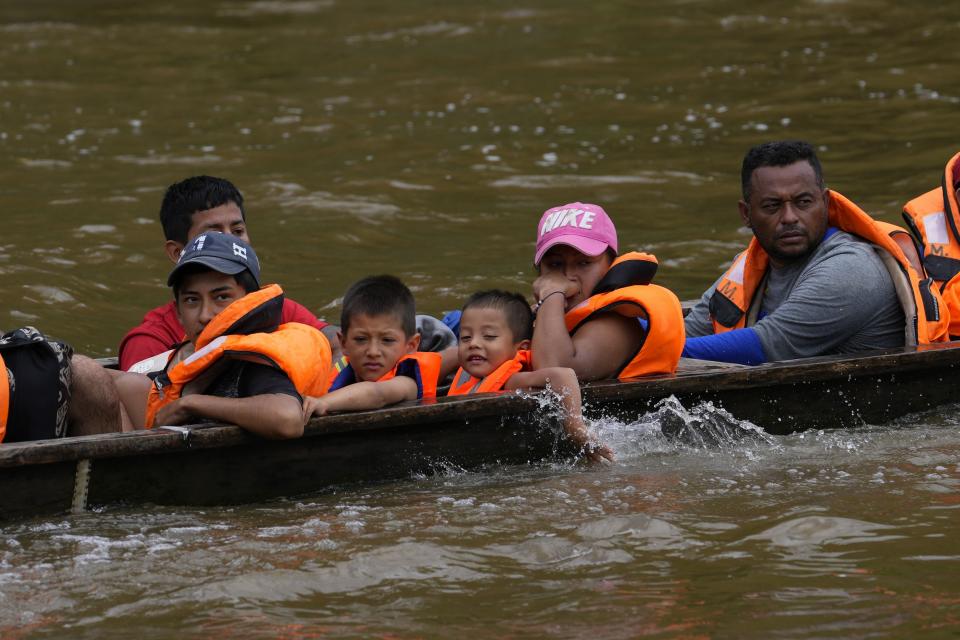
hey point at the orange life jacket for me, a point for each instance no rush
(4, 399)
(934, 219)
(422, 366)
(735, 300)
(625, 289)
(464, 383)
(300, 351)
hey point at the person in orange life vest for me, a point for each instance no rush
(804, 287)
(934, 218)
(628, 329)
(495, 332)
(240, 364)
(191, 207)
(381, 365)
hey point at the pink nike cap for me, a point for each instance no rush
(585, 227)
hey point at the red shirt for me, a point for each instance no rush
(161, 331)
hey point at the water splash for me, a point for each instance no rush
(669, 428)
(705, 425)
(551, 415)
(673, 428)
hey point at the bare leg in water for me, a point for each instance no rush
(94, 402)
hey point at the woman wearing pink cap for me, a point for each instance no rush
(597, 313)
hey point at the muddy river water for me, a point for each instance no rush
(424, 139)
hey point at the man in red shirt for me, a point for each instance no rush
(191, 207)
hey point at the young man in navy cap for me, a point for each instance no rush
(239, 364)
(190, 207)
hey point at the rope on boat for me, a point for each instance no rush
(81, 484)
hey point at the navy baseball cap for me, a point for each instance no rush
(221, 252)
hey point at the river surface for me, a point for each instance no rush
(425, 139)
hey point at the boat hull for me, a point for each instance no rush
(217, 464)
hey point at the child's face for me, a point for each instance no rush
(486, 341)
(374, 344)
(202, 296)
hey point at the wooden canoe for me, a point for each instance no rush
(219, 464)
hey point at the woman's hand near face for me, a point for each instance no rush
(554, 281)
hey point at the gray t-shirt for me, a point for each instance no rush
(840, 300)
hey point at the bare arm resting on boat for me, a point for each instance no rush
(273, 412)
(564, 381)
(272, 415)
(597, 351)
(360, 396)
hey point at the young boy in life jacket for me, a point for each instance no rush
(240, 365)
(381, 365)
(495, 332)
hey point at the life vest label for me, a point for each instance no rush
(935, 224)
(736, 274)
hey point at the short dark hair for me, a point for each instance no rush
(779, 153)
(513, 305)
(245, 279)
(187, 197)
(379, 296)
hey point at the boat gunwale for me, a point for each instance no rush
(217, 435)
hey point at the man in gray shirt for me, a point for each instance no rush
(803, 288)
